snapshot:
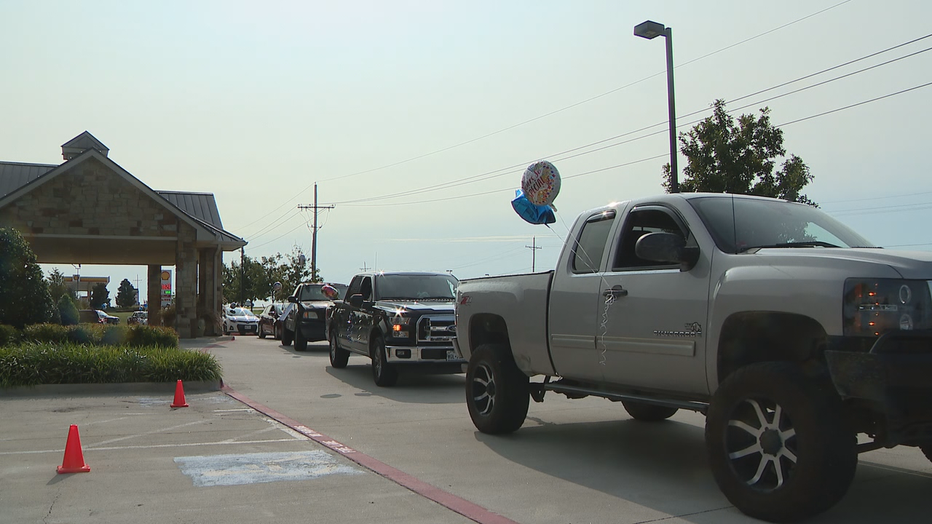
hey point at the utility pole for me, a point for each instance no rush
(315, 207)
(533, 247)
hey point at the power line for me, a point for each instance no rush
(508, 128)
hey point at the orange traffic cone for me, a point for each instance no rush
(73, 461)
(179, 397)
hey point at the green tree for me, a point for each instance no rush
(260, 275)
(24, 294)
(725, 156)
(67, 311)
(126, 294)
(99, 296)
(58, 287)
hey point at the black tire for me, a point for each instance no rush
(277, 330)
(779, 447)
(338, 355)
(300, 343)
(497, 392)
(384, 374)
(261, 332)
(287, 336)
(648, 412)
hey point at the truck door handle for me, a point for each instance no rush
(615, 292)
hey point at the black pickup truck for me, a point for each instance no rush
(307, 317)
(396, 319)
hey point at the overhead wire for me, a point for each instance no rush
(525, 122)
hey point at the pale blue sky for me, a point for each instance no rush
(256, 102)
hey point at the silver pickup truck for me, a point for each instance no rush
(788, 330)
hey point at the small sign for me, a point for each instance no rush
(166, 290)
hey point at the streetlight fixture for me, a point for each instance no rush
(650, 30)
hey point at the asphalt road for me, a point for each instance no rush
(574, 461)
(291, 439)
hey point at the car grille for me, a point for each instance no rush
(436, 328)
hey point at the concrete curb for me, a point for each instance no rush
(124, 388)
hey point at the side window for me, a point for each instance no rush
(354, 286)
(365, 289)
(641, 222)
(587, 254)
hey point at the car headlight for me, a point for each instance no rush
(400, 326)
(873, 307)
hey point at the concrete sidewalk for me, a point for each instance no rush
(217, 460)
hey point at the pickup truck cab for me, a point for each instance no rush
(306, 319)
(788, 330)
(397, 319)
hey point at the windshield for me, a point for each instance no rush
(740, 224)
(415, 287)
(309, 293)
(239, 312)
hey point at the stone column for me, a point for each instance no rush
(209, 292)
(186, 282)
(154, 294)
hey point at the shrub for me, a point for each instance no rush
(67, 311)
(45, 333)
(9, 335)
(31, 363)
(156, 336)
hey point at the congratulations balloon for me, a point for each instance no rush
(541, 183)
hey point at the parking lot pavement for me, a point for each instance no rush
(217, 460)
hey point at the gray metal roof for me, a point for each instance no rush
(201, 206)
(14, 175)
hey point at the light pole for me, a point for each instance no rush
(650, 30)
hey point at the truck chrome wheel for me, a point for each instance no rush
(761, 444)
(779, 446)
(482, 389)
(497, 392)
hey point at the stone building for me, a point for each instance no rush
(89, 210)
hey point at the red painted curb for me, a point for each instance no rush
(448, 500)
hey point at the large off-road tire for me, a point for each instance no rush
(261, 332)
(779, 447)
(497, 392)
(338, 355)
(287, 336)
(647, 412)
(300, 343)
(384, 374)
(277, 330)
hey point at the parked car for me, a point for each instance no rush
(240, 320)
(269, 323)
(307, 320)
(397, 320)
(96, 316)
(138, 317)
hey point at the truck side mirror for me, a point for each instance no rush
(667, 248)
(292, 299)
(355, 300)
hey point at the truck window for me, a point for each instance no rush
(587, 254)
(641, 222)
